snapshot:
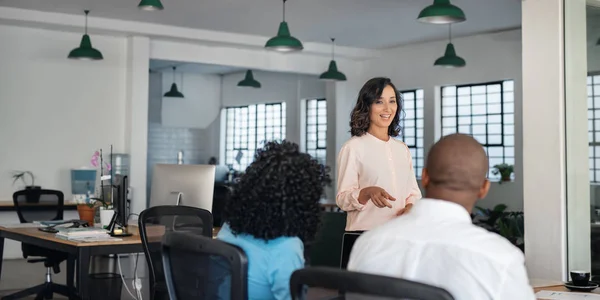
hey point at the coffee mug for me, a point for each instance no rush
(580, 278)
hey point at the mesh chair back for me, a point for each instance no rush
(202, 268)
(221, 196)
(156, 221)
(334, 283)
(39, 205)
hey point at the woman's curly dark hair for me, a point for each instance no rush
(369, 93)
(278, 195)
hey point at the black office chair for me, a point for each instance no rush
(42, 205)
(326, 249)
(220, 198)
(348, 240)
(154, 222)
(333, 283)
(203, 268)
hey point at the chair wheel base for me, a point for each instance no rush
(43, 291)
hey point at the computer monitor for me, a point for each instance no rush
(189, 185)
(121, 201)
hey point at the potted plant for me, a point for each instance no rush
(87, 210)
(21, 175)
(106, 213)
(33, 191)
(505, 223)
(505, 170)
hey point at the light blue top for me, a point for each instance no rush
(270, 263)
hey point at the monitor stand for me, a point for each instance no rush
(113, 224)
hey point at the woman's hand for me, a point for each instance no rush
(404, 210)
(377, 195)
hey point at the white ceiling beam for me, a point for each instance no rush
(74, 23)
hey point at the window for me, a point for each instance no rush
(316, 129)
(412, 126)
(247, 129)
(593, 91)
(485, 111)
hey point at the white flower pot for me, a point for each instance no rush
(105, 216)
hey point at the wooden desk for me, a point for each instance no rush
(79, 252)
(559, 288)
(9, 205)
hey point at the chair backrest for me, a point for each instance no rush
(331, 281)
(202, 268)
(39, 205)
(348, 240)
(325, 250)
(221, 196)
(156, 221)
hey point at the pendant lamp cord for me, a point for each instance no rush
(174, 73)
(284, 10)
(86, 19)
(332, 48)
(450, 32)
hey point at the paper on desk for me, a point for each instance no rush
(552, 295)
(20, 225)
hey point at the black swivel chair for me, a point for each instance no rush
(359, 286)
(221, 196)
(154, 223)
(42, 205)
(203, 268)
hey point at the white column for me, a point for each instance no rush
(432, 128)
(332, 126)
(136, 137)
(576, 123)
(544, 183)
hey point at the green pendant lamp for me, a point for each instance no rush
(85, 51)
(150, 5)
(442, 12)
(332, 73)
(173, 92)
(249, 81)
(450, 59)
(284, 41)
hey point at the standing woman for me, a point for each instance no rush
(376, 180)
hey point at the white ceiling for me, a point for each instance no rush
(167, 66)
(355, 23)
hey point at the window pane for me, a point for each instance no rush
(316, 129)
(593, 103)
(487, 112)
(247, 128)
(412, 123)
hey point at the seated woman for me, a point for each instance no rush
(274, 209)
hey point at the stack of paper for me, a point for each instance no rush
(83, 233)
(551, 295)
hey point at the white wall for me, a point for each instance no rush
(593, 58)
(202, 102)
(490, 57)
(54, 112)
(275, 87)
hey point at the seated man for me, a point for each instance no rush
(436, 242)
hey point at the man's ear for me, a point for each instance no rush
(424, 178)
(484, 189)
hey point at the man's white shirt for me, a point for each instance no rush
(436, 243)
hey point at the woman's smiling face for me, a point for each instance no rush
(383, 110)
